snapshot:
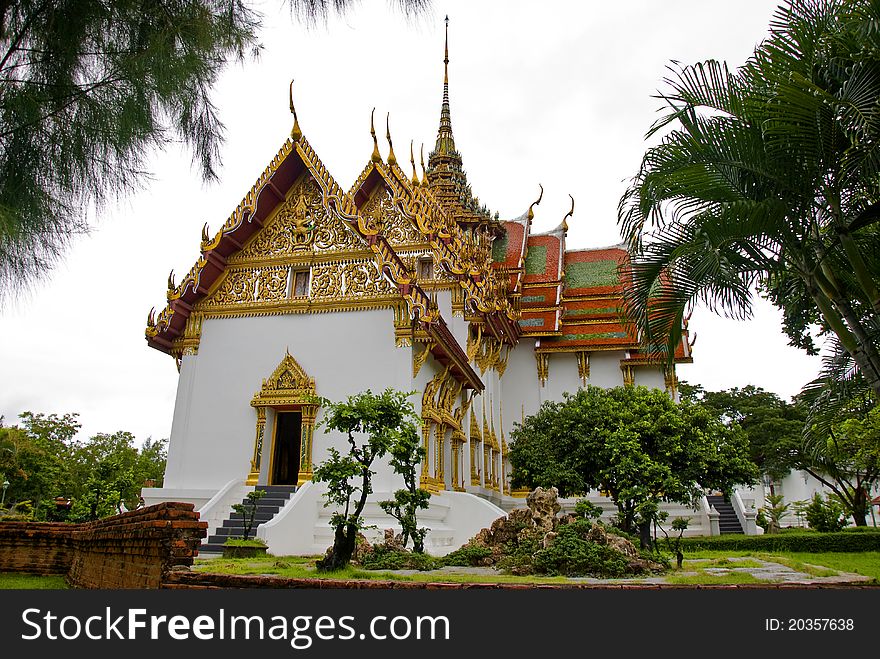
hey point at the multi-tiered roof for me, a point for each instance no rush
(509, 282)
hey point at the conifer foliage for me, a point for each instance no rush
(89, 90)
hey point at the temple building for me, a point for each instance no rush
(402, 281)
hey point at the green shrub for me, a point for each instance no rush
(571, 554)
(810, 542)
(518, 555)
(823, 515)
(386, 558)
(467, 556)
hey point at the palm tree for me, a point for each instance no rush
(768, 179)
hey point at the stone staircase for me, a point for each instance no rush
(233, 526)
(728, 522)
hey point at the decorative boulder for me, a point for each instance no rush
(544, 504)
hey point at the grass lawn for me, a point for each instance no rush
(15, 581)
(303, 567)
(704, 567)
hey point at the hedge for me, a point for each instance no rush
(794, 542)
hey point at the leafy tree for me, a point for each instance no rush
(635, 444)
(769, 179)
(774, 428)
(108, 470)
(848, 462)
(407, 453)
(104, 489)
(35, 457)
(88, 90)
(42, 461)
(372, 424)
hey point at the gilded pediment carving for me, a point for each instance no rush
(288, 384)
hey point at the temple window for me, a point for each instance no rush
(426, 269)
(301, 283)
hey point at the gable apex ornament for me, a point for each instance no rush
(289, 384)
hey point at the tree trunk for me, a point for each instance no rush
(860, 507)
(645, 535)
(342, 550)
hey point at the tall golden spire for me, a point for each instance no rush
(446, 57)
(445, 174)
(445, 142)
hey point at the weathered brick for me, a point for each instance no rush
(133, 550)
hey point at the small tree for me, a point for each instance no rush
(381, 419)
(586, 509)
(825, 516)
(248, 510)
(406, 454)
(679, 524)
(774, 511)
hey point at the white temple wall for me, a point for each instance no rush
(605, 369)
(212, 437)
(651, 377)
(796, 486)
(456, 324)
(520, 380)
(562, 376)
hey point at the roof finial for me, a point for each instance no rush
(568, 215)
(375, 157)
(412, 160)
(424, 174)
(295, 132)
(392, 159)
(446, 54)
(536, 202)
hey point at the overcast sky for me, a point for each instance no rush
(556, 93)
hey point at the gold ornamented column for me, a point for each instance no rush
(439, 442)
(309, 413)
(254, 474)
(476, 439)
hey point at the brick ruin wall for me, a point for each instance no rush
(137, 549)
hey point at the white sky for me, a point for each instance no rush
(557, 93)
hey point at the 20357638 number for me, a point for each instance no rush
(809, 624)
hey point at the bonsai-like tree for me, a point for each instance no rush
(373, 424)
(248, 510)
(406, 454)
(679, 524)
